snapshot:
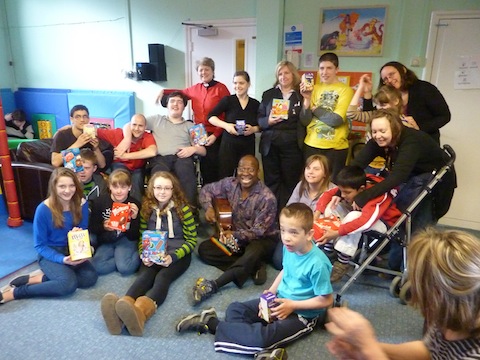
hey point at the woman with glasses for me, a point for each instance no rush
(165, 209)
(424, 106)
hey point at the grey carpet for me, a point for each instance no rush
(72, 327)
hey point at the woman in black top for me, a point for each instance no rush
(240, 125)
(282, 139)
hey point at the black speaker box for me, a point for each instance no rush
(156, 53)
(145, 71)
(160, 71)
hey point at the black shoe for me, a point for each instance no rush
(19, 281)
(275, 354)
(260, 276)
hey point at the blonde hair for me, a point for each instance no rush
(293, 70)
(444, 270)
(149, 202)
(120, 177)
(54, 203)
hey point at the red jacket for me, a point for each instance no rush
(204, 99)
(380, 207)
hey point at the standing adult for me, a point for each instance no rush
(282, 139)
(205, 95)
(424, 106)
(324, 114)
(240, 125)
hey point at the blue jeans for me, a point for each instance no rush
(59, 280)
(122, 255)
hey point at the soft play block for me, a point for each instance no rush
(44, 101)
(117, 105)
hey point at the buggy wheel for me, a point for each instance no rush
(395, 286)
(405, 292)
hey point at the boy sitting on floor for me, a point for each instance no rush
(302, 294)
(376, 215)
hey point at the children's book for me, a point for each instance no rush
(79, 245)
(240, 126)
(326, 223)
(198, 134)
(280, 108)
(154, 245)
(72, 159)
(120, 217)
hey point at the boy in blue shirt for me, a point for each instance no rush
(303, 293)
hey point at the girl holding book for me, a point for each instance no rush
(165, 209)
(63, 211)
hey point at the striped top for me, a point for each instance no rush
(442, 349)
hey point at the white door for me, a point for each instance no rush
(453, 35)
(232, 46)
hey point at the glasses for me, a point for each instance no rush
(163, 188)
(78, 117)
(389, 76)
(246, 170)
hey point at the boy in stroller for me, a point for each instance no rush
(376, 214)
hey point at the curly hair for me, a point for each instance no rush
(149, 202)
(444, 271)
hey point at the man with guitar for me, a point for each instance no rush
(250, 240)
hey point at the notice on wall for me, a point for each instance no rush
(293, 38)
(467, 72)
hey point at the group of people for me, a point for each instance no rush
(272, 221)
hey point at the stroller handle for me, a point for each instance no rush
(448, 149)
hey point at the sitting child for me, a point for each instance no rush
(164, 208)
(17, 125)
(116, 250)
(93, 184)
(444, 272)
(302, 293)
(377, 214)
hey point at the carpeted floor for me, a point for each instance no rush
(72, 327)
(16, 247)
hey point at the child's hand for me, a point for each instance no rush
(106, 226)
(284, 308)
(167, 261)
(76, 228)
(147, 262)
(133, 210)
(68, 261)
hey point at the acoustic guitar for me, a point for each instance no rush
(223, 216)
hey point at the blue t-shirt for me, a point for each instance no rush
(45, 235)
(304, 277)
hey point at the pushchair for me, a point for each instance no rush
(401, 233)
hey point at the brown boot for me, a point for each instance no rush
(113, 322)
(134, 314)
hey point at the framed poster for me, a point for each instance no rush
(352, 31)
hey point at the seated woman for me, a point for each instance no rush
(64, 210)
(408, 154)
